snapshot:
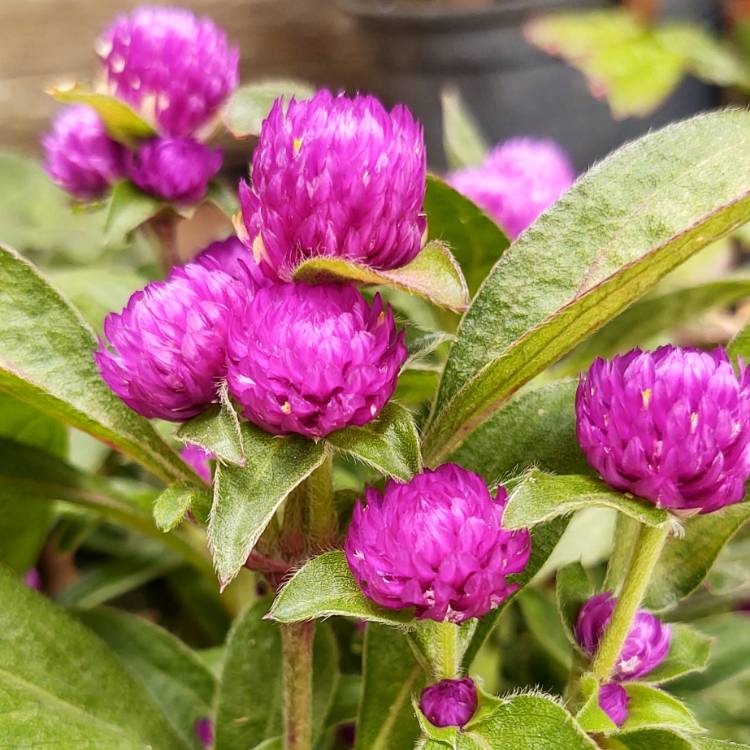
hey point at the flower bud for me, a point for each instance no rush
(671, 426)
(613, 700)
(436, 544)
(450, 703)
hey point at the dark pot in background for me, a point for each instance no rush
(510, 87)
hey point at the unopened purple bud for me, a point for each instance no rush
(313, 359)
(79, 155)
(645, 648)
(199, 460)
(339, 177)
(176, 68)
(436, 544)
(204, 731)
(519, 180)
(450, 703)
(613, 700)
(671, 426)
(168, 345)
(175, 169)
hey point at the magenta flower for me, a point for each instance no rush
(519, 180)
(79, 155)
(175, 169)
(168, 346)
(313, 359)
(436, 544)
(233, 257)
(199, 460)
(450, 703)
(176, 68)
(613, 700)
(204, 731)
(339, 177)
(671, 426)
(646, 646)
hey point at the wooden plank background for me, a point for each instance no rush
(43, 42)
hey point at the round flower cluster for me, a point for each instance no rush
(671, 426)
(519, 180)
(436, 544)
(449, 703)
(339, 177)
(177, 70)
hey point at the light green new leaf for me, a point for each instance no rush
(216, 430)
(739, 346)
(128, 208)
(247, 497)
(46, 359)
(652, 739)
(651, 708)
(574, 589)
(60, 686)
(689, 651)
(591, 716)
(325, 586)
(474, 238)
(171, 673)
(173, 504)
(250, 104)
(122, 122)
(390, 444)
(434, 275)
(624, 225)
(686, 561)
(540, 497)
(463, 142)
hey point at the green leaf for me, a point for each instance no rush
(530, 721)
(649, 317)
(651, 708)
(706, 743)
(686, 561)
(247, 497)
(463, 142)
(537, 428)
(250, 104)
(591, 716)
(47, 361)
(60, 686)
(739, 346)
(474, 238)
(689, 652)
(653, 739)
(128, 208)
(325, 586)
(170, 672)
(173, 504)
(623, 226)
(434, 275)
(390, 444)
(391, 675)
(574, 589)
(421, 344)
(543, 621)
(122, 122)
(540, 497)
(216, 430)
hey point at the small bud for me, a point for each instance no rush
(613, 700)
(204, 731)
(450, 703)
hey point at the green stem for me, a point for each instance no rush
(322, 518)
(163, 226)
(645, 556)
(297, 650)
(447, 666)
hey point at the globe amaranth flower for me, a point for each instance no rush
(168, 346)
(174, 67)
(175, 169)
(339, 177)
(450, 703)
(199, 459)
(613, 700)
(79, 155)
(436, 544)
(671, 426)
(645, 648)
(233, 257)
(519, 180)
(313, 359)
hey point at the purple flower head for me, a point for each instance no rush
(646, 646)
(234, 258)
(519, 180)
(613, 700)
(204, 731)
(175, 169)
(450, 703)
(313, 359)
(672, 426)
(437, 544)
(176, 68)
(79, 155)
(168, 344)
(199, 460)
(339, 177)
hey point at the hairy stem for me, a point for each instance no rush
(645, 556)
(297, 649)
(163, 226)
(448, 667)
